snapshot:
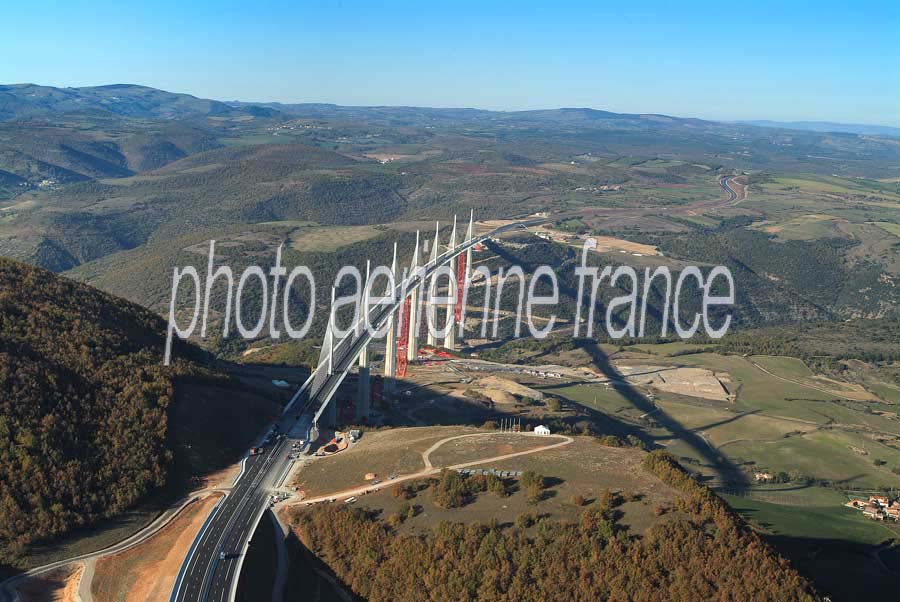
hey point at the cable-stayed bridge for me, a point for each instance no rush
(213, 565)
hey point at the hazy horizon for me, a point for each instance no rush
(767, 61)
(755, 121)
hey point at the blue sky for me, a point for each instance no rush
(788, 60)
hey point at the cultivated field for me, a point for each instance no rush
(823, 522)
(774, 414)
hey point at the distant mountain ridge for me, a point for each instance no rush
(31, 101)
(564, 115)
(20, 101)
(828, 126)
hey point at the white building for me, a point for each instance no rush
(541, 430)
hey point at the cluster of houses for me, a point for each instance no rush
(595, 189)
(503, 474)
(877, 507)
(541, 373)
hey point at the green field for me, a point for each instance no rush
(721, 427)
(597, 397)
(888, 392)
(325, 238)
(789, 367)
(836, 522)
(803, 227)
(889, 227)
(760, 391)
(834, 185)
(778, 425)
(795, 369)
(668, 349)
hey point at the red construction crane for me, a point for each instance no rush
(403, 339)
(460, 283)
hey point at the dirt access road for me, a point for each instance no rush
(430, 470)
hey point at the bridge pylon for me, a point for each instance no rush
(463, 278)
(364, 390)
(431, 322)
(450, 324)
(390, 340)
(412, 316)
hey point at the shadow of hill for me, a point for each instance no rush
(842, 570)
(727, 472)
(416, 411)
(729, 420)
(309, 578)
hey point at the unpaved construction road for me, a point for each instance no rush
(430, 470)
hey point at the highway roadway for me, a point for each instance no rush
(732, 194)
(205, 574)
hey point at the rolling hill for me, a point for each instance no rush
(828, 126)
(90, 421)
(18, 101)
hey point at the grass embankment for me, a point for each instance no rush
(147, 572)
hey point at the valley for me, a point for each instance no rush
(785, 419)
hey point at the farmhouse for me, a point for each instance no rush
(877, 507)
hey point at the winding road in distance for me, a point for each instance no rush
(726, 183)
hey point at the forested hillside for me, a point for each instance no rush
(708, 556)
(84, 405)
